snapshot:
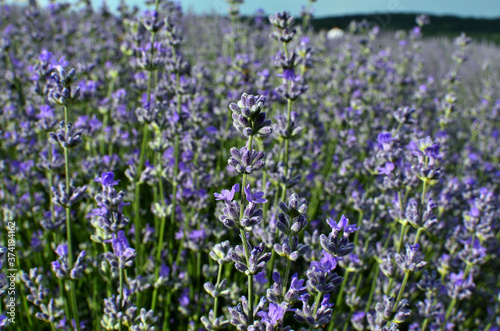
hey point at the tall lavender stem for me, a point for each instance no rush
(245, 242)
(68, 227)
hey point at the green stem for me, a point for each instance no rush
(424, 325)
(264, 182)
(161, 237)
(121, 294)
(287, 139)
(68, 227)
(448, 313)
(174, 193)
(287, 146)
(246, 244)
(389, 288)
(401, 291)
(389, 236)
(467, 270)
(424, 187)
(419, 233)
(400, 242)
(166, 312)
(346, 323)
(23, 296)
(55, 239)
(401, 203)
(356, 236)
(250, 277)
(317, 300)
(73, 303)
(341, 291)
(68, 192)
(106, 114)
(137, 216)
(216, 300)
(198, 289)
(61, 294)
(287, 274)
(372, 290)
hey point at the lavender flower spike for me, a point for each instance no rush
(123, 255)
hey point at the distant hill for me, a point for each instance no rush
(450, 26)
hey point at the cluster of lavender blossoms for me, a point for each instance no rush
(163, 170)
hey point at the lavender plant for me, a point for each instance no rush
(197, 175)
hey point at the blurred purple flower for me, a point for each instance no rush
(107, 179)
(62, 250)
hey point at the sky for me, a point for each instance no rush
(323, 8)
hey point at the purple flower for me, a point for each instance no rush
(274, 316)
(433, 151)
(107, 179)
(297, 284)
(289, 74)
(327, 263)
(227, 195)
(325, 303)
(358, 316)
(56, 265)
(261, 277)
(120, 244)
(123, 255)
(164, 271)
(343, 224)
(36, 241)
(296, 289)
(386, 169)
(45, 56)
(385, 139)
(62, 250)
(184, 298)
(61, 63)
(3, 321)
(45, 112)
(458, 279)
(255, 197)
(62, 324)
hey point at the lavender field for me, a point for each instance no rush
(167, 171)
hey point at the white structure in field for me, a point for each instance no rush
(335, 33)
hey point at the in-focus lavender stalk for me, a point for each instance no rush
(250, 120)
(221, 254)
(67, 138)
(291, 88)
